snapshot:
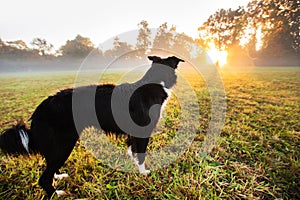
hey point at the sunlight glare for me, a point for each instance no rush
(248, 34)
(215, 56)
(259, 39)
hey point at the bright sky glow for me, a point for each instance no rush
(57, 21)
(215, 56)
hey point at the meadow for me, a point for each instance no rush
(256, 157)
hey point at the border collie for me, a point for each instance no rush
(53, 132)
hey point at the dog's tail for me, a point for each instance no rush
(16, 140)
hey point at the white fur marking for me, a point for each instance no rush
(142, 169)
(60, 176)
(134, 159)
(24, 139)
(168, 91)
(60, 193)
(129, 152)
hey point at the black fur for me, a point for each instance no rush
(53, 133)
(10, 140)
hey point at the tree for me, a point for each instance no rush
(285, 18)
(222, 29)
(116, 43)
(183, 45)
(143, 42)
(42, 46)
(266, 31)
(79, 47)
(275, 37)
(119, 48)
(18, 44)
(292, 13)
(164, 37)
(16, 50)
(2, 44)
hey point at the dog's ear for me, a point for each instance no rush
(174, 58)
(155, 59)
(173, 61)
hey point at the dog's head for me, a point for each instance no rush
(170, 61)
(163, 70)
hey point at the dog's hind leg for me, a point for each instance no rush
(59, 176)
(46, 179)
(53, 166)
(55, 161)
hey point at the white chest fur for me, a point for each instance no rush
(168, 91)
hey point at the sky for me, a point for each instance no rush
(60, 20)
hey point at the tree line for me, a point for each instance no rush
(74, 51)
(264, 33)
(79, 47)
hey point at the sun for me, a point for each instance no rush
(216, 56)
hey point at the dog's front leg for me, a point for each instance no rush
(138, 147)
(141, 163)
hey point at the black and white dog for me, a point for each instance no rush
(53, 132)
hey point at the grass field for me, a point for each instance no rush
(257, 156)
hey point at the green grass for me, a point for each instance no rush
(257, 156)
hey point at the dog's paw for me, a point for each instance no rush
(60, 176)
(145, 172)
(60, 193)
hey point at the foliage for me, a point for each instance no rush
(267, 30)
(143, 41)
(43, 47)
(119, 48)
(183, 44)
(17, 50)
(222, 29)
(78, 47)
(164, 36)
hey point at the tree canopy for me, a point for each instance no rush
(267, 31)
(42, 46)
(78, 47)
(143, 41)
